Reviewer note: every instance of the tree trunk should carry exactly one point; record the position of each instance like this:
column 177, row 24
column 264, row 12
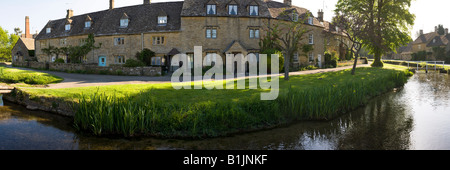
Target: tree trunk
column 286, row 66
column 377, row 59
column 356, row 61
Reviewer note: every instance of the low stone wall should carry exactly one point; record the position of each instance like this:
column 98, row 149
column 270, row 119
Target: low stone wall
column 48, row 104
column 92, row 68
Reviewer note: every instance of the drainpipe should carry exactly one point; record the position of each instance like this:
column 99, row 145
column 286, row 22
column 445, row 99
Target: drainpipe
column 142, row 41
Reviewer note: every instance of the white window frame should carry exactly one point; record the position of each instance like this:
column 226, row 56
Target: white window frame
column 311, row 57
column 156, row 61
column 311, row 39
column 310, row 20
column 211, row 33
column 254, row 9
column 159, row 40
column 190, row 58
column 231, row 7
column 63, row 41
column 162, row 20
column 124, row 22
column 254, row 33
column 119, row 59
column 119, row 41
column 211, row 7
column 48, row 30
column 67, row 27
column 294, row 17
column 296, row 57
column 87, row 24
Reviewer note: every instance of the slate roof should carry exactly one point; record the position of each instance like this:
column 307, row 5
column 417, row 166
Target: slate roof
column 28, row 42
column 425, row 38
column 142, row 18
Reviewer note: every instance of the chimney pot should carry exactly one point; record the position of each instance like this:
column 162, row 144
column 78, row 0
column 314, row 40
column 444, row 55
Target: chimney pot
column 288, row 2
column 320, row 15
column 69, row 14
column 446, row 31
column 421, row 32
column 147, row 1
column 111, row 4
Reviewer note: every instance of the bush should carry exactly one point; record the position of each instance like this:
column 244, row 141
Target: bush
column 145, row 56
column 134, row 63
column 59, row 60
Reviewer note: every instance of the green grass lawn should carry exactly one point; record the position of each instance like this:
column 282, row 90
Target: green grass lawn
column 11, row 75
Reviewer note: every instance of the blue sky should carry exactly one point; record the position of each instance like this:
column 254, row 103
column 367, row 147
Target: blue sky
column 429, row 13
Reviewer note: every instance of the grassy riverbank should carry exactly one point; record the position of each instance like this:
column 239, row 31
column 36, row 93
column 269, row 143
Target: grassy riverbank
column 11, row 75
column 159, row 110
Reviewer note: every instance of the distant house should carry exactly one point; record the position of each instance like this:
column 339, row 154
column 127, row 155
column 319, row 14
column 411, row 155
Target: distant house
column 426, row 42
column 24, row 48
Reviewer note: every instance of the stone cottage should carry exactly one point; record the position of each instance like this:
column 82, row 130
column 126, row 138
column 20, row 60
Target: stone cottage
column 24, row 50
column 169, row 28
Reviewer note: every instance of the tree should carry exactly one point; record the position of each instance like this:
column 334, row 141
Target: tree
column 353, row 22
column 287, row 36
column 387, row 22
column 145, row 56
column 17, row 31
column 441, row 29
column 7, row 43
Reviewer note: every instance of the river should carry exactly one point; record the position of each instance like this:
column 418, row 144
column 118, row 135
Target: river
column 416, row 117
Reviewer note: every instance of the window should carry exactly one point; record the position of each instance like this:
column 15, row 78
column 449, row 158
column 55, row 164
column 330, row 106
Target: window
column 124, row 23
column 211, row 57
column 87, row 24
column 156, row 61
column 296, row 57
column 190, row 60
column 85, row 59
column 43, row 43
column 295, row 17
column 254, row 10
column 211, row 9
column 83, row 41
column 311, row 57
column 310, row 20
column 53, row 59
column 254, row 33
column 162, row 20
column 211, row 33
column 158, row 40
column 119, row 41
column 311, row 39
column 67, row 27
column 420, row 47
column 119, row 60
column 48, row 30
column 63, row 41
column 232, row 9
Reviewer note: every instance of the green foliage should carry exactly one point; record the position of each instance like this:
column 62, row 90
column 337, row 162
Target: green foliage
column 269, row 53
column 145, row 56
column 134, row 63
column 330, row 60
column 7, row 43
column 441, row 29
column 419, row 56
column 75, row 53
column 9, row 75
column 318, row 97
column 59, row 60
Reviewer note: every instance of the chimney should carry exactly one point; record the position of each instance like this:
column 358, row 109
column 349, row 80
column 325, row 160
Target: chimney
column 320, row 15
column 288, row 2
column 436, row 29
column 69, row 14
column 27, row 27
column 446, row 31
column 421, row 32
column 111, row 4
column 147, row 1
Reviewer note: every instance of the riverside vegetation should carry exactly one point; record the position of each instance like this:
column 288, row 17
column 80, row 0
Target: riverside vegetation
column 159, row 110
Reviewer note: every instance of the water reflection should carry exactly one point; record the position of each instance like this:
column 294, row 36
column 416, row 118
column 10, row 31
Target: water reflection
column 414, row 117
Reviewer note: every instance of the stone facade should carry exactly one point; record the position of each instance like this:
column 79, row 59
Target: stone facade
column 185, row 28
column 23, row 50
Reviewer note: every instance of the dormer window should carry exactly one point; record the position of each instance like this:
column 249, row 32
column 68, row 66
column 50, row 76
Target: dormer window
column 87, row 24
column 310, row 20
column 254, row 10
column 124, row 20
column 124, row 23
column 232, row 9
column 48, row 30
column 294, row 17
column 67, row 27
column 211, row 9
column 162, row 20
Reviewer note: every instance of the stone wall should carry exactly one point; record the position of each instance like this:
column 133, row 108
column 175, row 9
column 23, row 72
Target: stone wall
column 93, row 69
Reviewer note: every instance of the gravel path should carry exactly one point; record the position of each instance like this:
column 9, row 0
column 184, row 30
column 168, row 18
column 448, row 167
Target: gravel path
column 85, row 80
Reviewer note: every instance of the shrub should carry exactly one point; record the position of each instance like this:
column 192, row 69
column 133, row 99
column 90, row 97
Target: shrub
column 145, row 56
column 134, row 63
column 59, row 60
